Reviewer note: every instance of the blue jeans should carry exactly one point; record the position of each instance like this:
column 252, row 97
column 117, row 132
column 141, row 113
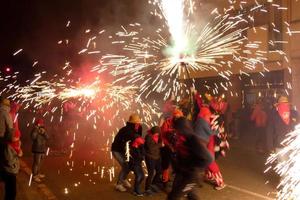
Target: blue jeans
column 139, row 177
column 124, row 166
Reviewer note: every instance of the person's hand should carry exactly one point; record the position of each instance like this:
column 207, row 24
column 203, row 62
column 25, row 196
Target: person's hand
column 42, row 130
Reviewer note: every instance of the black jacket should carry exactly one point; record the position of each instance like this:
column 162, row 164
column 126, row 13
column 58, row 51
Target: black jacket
column 137, row 155
column 277, row 129
column 125, row 134
column 152, row 149
column 191, row 153
column 39, row 139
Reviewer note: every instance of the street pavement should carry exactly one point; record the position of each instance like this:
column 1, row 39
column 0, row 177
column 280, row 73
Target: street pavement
column 87, row 174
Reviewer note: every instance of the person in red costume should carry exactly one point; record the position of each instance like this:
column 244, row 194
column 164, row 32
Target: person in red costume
column 16, row 142
column 167, row 132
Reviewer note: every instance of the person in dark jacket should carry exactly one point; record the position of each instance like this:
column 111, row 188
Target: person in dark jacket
column 39, row 139
column 281, row 121
column 125, row 136
column 192, row 157
column 137, row 155
column 9, row 161
column 153, row 143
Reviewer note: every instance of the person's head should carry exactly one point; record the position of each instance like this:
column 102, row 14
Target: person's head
column 5, row 102
column 205, row 113
column 134, row 119
column 177, row 113
column 155, row 130
column 183, row 126
column 39, row 122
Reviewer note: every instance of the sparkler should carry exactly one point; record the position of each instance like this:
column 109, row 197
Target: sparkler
column 289, row 168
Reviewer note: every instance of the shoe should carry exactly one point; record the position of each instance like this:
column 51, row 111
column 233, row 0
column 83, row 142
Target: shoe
column 120, row 188
column 37, row 179
column 126, row 184
column 138, row 194
column 41, row 175
column 220, row 187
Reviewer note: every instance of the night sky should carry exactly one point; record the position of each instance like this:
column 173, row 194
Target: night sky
column 37, row 25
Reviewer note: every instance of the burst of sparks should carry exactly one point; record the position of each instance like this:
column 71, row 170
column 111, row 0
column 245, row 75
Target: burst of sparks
column 289, row 169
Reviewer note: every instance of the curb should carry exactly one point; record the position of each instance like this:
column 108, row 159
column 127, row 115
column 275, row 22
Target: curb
column 43, row 189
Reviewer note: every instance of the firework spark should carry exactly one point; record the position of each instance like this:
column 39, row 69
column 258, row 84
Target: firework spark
column 288, row 169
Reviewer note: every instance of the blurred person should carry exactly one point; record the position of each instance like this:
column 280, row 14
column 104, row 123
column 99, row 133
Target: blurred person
column 16, row 141
column 39, row 139
column 208, row 134
column 192, row 157
column 9, row 161
column 137, row 155
column 153, row 144
column 125, row 135
column 281, row 121
column 259, row 116
column 167, row 132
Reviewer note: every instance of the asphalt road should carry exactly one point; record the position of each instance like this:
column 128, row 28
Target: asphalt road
column 88, row 175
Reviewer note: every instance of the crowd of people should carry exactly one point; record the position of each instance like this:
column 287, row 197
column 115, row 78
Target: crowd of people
column 183, row 149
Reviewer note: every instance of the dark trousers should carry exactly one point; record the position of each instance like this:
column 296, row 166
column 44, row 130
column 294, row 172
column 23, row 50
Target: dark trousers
column 36, row 165
column 184, row 184
column 139, row 177
column 10, row 185
column 154, row 172
column 121, row 159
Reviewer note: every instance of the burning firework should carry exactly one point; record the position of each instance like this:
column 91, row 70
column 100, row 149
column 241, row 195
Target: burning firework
column 289, row 168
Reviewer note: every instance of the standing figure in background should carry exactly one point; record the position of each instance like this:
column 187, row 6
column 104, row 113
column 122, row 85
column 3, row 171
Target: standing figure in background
column 9, row 160
column 125, row 135
column 259, row 116
column 153, row 144
column 280, row 123
column 39, row 139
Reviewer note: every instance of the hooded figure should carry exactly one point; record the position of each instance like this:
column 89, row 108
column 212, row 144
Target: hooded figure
column 125, row 136
column 191, row 157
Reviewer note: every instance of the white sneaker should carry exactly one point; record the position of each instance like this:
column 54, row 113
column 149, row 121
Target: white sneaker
column 126, row 184
column 120, row 188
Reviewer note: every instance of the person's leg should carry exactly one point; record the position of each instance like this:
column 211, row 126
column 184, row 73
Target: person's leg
column 35, row 164
column 139, row 177
column 165, row 164
column 150, row 163
column 157, row 177
column 10, row 184
column 124, row 166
